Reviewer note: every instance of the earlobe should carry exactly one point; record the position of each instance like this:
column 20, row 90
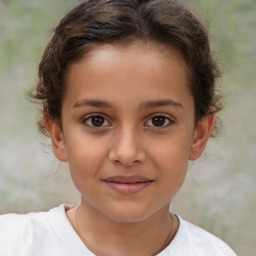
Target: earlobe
column 57, row 138
column 202, row 133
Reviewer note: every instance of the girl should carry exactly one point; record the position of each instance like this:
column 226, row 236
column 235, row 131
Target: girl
column 127, row 94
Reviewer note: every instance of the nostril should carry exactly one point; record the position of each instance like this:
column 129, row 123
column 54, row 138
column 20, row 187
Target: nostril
column 126, row 148
column 126, row 163
column 126, row 158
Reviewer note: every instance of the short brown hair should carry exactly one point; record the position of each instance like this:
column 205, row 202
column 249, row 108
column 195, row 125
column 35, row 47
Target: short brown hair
column 94, row 22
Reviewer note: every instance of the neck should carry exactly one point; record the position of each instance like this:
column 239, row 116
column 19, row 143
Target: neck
column 145, row 237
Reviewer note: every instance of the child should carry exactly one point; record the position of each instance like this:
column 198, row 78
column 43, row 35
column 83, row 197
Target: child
column 127, row 90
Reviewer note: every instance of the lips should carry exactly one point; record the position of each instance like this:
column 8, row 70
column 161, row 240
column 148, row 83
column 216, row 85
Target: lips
column 128, row 184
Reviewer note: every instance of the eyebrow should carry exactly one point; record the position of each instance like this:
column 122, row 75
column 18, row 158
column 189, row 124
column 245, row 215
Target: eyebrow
column 160, row 103
column 144, row 105
column 93, row 103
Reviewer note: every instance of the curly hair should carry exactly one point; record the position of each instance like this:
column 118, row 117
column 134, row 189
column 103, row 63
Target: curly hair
column 95, row 22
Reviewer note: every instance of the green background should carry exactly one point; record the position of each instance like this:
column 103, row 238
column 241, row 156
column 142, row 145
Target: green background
column 220, row 190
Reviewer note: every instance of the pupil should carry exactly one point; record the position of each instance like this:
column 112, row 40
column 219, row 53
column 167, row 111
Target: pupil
column 158, row 120
column 97, row 120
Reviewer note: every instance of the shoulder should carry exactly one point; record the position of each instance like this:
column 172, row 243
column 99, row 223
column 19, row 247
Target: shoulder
column 193, row 240
column 24, row 231
column 31, row 222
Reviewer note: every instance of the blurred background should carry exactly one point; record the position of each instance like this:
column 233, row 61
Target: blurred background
column 219, row 193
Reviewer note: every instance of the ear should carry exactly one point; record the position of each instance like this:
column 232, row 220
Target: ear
column 57, row 138
column 202, row 133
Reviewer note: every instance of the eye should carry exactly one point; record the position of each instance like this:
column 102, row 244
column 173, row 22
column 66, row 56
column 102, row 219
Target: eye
column 159, row 121
column 96, row 121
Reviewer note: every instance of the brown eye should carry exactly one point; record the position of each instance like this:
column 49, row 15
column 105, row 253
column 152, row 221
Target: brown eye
column 96, row 121
column 160, row 121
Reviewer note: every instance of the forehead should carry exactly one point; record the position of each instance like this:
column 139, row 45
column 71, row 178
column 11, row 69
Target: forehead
column 146, row 54
column 150, row 67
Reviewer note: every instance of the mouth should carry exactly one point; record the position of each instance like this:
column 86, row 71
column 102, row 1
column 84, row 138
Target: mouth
column 127, row 184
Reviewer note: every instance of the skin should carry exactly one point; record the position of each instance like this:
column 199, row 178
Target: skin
column 134, row 84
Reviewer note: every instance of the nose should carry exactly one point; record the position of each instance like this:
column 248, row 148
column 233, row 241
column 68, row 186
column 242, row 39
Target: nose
column 127, row 148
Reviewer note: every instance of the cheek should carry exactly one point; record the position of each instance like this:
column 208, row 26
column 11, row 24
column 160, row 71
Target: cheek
column 172, row 168
column 170, row 156
column 172, row 149
column 171, row 162
column 86, row 155
column 85, row 162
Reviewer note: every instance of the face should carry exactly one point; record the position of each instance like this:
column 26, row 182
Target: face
column 128, row 129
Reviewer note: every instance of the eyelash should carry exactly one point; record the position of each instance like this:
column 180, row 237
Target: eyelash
column 98, row 115
column 167, row 119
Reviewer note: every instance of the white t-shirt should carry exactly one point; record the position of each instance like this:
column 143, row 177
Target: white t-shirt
column 51, row 234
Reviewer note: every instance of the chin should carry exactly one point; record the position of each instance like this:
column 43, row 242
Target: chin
column 127, row 215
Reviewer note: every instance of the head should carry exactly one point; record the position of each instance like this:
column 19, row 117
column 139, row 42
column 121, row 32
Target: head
column 128, row 53
column 93, row 23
